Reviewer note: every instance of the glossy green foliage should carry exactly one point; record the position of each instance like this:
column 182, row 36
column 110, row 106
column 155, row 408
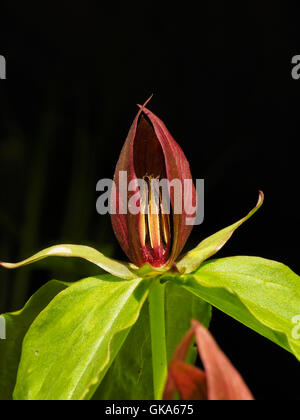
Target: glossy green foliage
column 211, row 245
column 17, row 325
column 262, row 294
column 131, row 376
column 96, row 338
column 72, row 343
column 117, row 268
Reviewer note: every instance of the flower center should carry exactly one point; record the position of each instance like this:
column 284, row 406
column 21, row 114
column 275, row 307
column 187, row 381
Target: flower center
column 155, row 230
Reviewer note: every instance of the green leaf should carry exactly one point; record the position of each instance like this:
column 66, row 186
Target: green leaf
column 114, row 267
column 262, row 294
column 17, row 324
column 181, row 307
column 211, row 245
column 131, row 377
column 147, row 270
column 72, row 343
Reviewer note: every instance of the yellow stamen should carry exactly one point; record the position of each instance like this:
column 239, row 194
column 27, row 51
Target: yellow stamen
column 143, row 223
column 165, row 223
column 153, row 217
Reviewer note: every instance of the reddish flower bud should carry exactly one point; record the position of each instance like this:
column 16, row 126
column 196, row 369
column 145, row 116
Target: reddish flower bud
column 220, row 381
column 153, row 234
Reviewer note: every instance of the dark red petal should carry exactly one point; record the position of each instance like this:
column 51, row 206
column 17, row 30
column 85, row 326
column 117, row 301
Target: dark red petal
column 150, row 149
column 189, row 381
column 180, row 354
column 148, row 153
column 183, row 347
column 121, row 223
column 177, row 167
column 223, row 381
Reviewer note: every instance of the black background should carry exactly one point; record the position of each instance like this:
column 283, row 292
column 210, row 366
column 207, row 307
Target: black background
column 222, row 83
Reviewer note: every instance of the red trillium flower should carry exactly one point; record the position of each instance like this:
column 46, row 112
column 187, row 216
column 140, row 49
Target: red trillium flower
column 221, row 381
column 154, row 234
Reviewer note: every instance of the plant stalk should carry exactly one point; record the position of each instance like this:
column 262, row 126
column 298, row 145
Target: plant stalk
column 158, row 338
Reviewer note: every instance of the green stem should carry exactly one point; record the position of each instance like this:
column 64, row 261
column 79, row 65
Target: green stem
column 158, row 338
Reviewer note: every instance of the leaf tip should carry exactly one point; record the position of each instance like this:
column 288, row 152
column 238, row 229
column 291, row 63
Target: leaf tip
column 6, row 265
column 261, row 198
